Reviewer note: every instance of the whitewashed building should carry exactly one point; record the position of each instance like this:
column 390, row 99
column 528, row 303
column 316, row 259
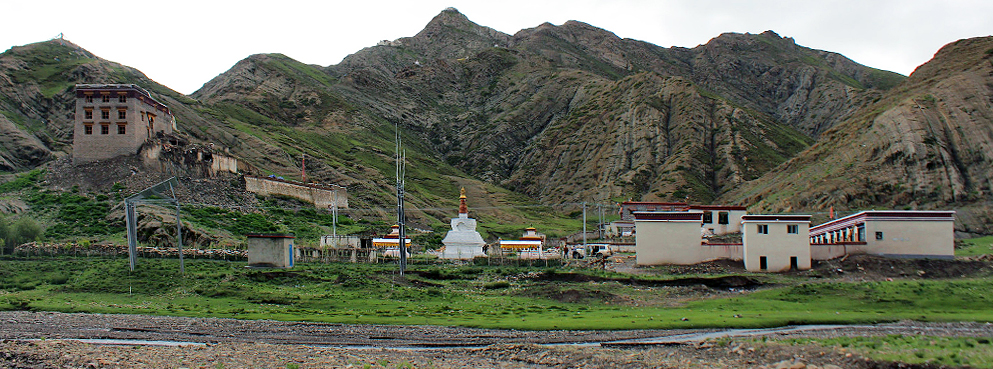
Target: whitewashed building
column 775, row 243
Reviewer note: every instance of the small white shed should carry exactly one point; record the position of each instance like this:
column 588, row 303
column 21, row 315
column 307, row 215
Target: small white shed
column 270, row 250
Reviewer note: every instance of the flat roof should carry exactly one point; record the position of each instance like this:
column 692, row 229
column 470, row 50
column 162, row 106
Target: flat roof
column 775, row 218
column 270, row 235
column 883, row 215
column 718, row 207
column 81, row 88
column 654, row 203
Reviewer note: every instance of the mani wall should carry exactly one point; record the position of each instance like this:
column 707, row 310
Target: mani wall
column 322, row 196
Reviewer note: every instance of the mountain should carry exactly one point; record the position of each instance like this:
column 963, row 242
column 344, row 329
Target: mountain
column 926, row 144
column 553, row 115
column 517, row 110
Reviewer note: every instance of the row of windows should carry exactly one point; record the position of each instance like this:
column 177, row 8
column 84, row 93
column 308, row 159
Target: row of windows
column 105, row 129
column 105, row 114
column 106, row 98
column 790, row 229
column 722, row 217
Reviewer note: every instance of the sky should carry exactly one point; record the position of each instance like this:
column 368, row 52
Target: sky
column 182, row 44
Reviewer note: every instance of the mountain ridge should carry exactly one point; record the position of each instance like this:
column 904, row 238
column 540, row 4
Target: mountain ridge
column 557, row 114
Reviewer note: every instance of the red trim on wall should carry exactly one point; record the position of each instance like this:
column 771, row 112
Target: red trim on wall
column 680, row 216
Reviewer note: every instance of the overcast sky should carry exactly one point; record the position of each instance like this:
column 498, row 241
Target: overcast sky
column 183, row 44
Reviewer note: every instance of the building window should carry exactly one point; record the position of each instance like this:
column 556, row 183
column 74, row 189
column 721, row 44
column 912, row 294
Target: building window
column 104, row 129
column 722, row 218
column 105, row 114
column 88, row 114
column 122, row 114
column 120, row 129
column 142, row 116
column 792, row 229
column 708, row 217
column 763, row 228
column 88, row 129
column 879, row 236
column 89, row 98
column 122, row 98
column 105, row 98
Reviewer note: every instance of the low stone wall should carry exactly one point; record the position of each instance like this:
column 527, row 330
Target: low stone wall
column 323, row 197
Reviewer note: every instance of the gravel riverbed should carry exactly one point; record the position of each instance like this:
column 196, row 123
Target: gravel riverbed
column 52, row 340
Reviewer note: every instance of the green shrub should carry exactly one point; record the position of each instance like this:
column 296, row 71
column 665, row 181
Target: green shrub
column 496, row 285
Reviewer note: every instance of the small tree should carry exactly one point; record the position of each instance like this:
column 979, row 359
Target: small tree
column 5, row 239
column 25, row 230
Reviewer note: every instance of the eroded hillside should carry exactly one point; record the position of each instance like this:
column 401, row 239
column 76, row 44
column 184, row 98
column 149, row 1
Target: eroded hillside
column 927, row 144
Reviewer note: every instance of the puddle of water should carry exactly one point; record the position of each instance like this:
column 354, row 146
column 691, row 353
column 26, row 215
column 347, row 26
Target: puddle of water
column 673, row 339
column 703, row 336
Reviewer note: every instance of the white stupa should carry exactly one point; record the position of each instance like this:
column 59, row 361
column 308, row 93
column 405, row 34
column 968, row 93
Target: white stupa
column 463, row 242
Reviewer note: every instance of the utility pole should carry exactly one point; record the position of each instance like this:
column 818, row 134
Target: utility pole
column 303, row 168
column 401, row 218
column 599, row 225
column 584, row 227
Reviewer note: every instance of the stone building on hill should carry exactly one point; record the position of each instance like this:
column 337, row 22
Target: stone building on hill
column 116, row 119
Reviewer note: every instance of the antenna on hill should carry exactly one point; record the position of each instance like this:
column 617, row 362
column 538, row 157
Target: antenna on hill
column 61, row 38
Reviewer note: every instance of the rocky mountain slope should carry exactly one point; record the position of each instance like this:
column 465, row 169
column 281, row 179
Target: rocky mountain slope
column 518, row 110
column 928, row 143
column 559, row 114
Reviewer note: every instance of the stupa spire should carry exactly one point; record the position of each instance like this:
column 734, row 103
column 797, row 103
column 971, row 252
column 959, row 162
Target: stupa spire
column 463, row 208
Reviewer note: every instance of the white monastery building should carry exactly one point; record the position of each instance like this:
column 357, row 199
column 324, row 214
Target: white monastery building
column 773, row 243
column 893, row 233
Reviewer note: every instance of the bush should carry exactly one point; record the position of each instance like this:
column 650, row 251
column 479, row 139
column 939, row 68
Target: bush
column 496, row 285
column 23, row 231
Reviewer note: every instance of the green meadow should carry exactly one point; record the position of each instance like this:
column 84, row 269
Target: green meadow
column 972, row 352
column 473, row 296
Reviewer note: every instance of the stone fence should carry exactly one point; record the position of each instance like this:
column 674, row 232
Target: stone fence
column 322, row 196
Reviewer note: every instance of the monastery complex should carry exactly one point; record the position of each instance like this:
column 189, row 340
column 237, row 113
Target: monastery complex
column 681, row 234
column 123, row 119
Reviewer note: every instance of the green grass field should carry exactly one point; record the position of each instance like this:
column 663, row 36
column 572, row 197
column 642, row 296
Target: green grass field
column 976, row 246
column 477, row 296
column 948, row 351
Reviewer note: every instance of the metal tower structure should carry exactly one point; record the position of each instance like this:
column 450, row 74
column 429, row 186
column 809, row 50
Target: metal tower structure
column 154, row 195
column 401, row 157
